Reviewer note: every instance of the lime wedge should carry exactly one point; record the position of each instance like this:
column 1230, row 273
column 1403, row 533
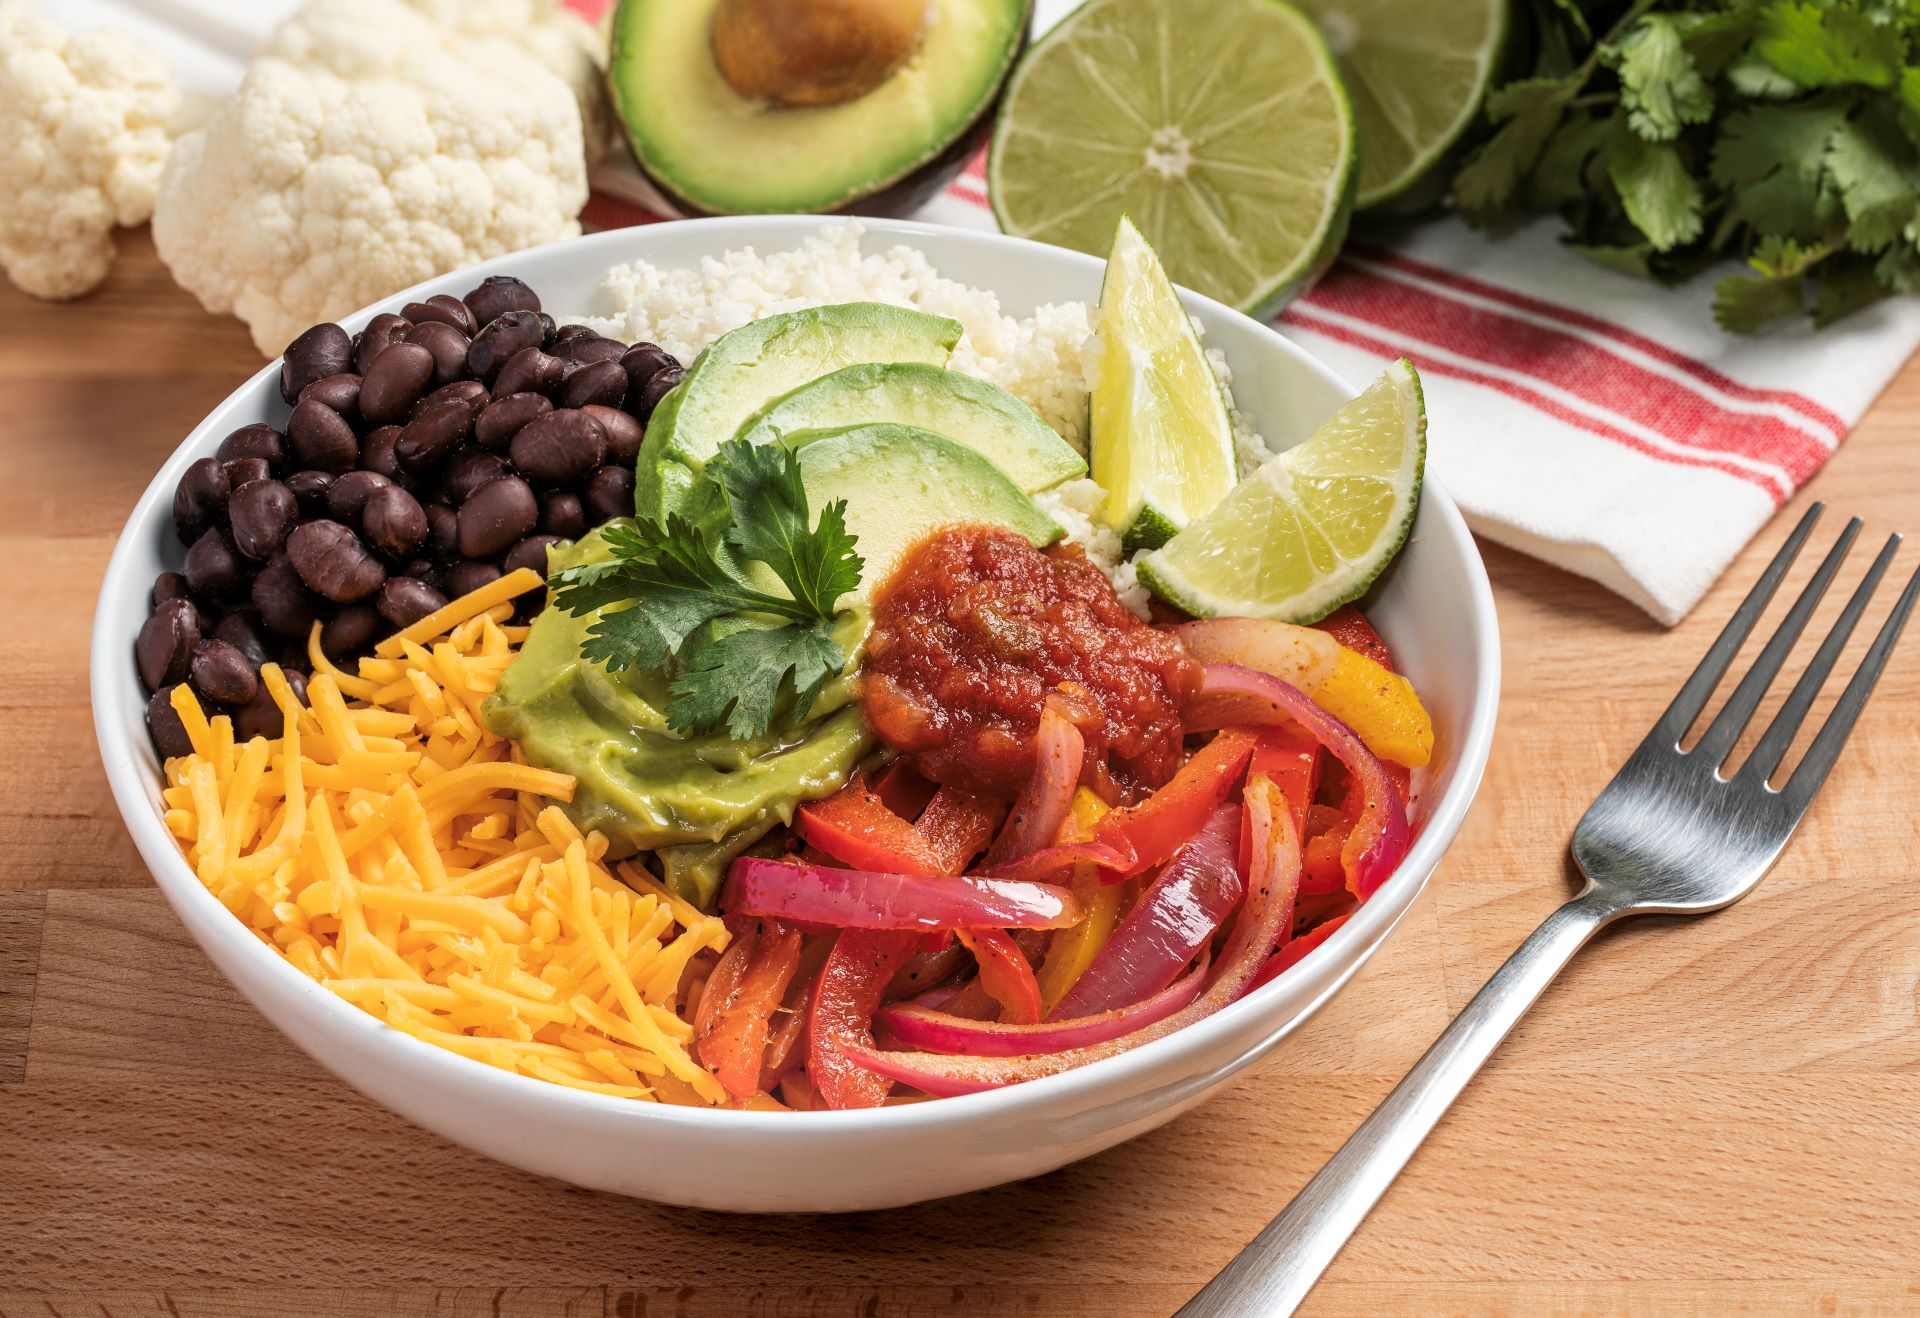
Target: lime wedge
column 1222, row 128
column 1313, row 527
column 1161, row 441
column 1416, row 72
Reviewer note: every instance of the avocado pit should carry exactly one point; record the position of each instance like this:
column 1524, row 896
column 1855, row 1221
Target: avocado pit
column 810, row 53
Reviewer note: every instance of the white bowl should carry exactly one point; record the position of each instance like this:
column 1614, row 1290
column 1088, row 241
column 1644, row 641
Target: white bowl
column 1434, row 607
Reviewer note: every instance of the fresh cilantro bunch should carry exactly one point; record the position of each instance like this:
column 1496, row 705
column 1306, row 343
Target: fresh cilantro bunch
column 1673, row 135
column 738, row 654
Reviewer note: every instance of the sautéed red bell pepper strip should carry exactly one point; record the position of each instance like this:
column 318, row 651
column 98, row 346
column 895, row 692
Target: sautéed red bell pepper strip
column 856, row 828
column 1005, row 974
column 736, row 1010
column 840, row 1027
column 1350, row 628
column 1294, row 952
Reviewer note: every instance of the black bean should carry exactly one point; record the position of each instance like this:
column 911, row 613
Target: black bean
column 559, row 448
column 340, row 392
column 529, row 371
column 169, row 586
column 214, row 571
column 222, row 674
column 322, row 351
column 394, row 522
column 567, row 333
column 656, row 390
column 349, row 495
column 397, row 377
column 561, row 514
column 333, row 561
column 599, row 384
column 284, row 603
column 242, row 470
column 448, row 346
column 445, row 310
column 404, row 601
column 296, row 681
column 471, row 392
column 383, row 330
column 432, row 437
column 259, row 717
column 588, row 348
column 470, row 469
column 310, row 491
column 500, row 339
column 377, row 455
column 624, row 434
column 496, row 515
column 321, row 438
column 258, row 440
column 531, row 552
column 499, row 294
column 261, row 513
column 547, row 330
column 350, row 631
column 169, row 734
column 200, row 499
column 165, row 643
column 424, row 569
column 505, row 416
column 244, row 631
column 443, row 530
column 466, row 575
column 608, row 494
column 642, row 362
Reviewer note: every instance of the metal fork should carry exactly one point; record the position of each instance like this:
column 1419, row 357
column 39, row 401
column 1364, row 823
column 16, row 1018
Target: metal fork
column 1672, row 834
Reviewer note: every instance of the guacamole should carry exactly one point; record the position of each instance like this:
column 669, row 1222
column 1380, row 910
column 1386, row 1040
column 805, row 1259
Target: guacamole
column 698, row 801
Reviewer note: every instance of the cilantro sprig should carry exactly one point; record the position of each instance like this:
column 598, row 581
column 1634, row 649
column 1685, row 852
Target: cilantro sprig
column 1673, row 134
column 680, row 594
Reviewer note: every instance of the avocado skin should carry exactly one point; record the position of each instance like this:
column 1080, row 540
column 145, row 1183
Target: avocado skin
column 896, row 198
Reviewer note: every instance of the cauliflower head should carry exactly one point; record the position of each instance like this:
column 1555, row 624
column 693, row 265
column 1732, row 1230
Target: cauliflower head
column 85, row 122
column 362, row 154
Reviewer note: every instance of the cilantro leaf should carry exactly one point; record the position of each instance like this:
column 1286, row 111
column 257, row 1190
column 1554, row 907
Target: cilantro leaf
column 1746, row 305
column 1528, row 112
column 1830, row 45
column 1847, row 283
column 1874, row 167
column 817, row 565
column 1771, row 159
column 652, row 630
column 1659, row 86
column 738, row 678
column 1661, row 198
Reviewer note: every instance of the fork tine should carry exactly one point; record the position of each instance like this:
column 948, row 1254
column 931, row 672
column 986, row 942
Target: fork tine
column 1780, row 733
column 1692, row 697
column 1720, row 736
column 1825, row 750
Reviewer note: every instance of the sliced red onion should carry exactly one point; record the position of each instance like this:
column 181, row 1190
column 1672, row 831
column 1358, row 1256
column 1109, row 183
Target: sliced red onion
column 912, row 1025
column 1178, row 915
column 1232, row 696
column 1043, row 804
column 1264, row 917
column 864, row 899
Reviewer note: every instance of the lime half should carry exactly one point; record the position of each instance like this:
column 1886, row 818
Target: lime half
column 1221, row 127
column 1162, row 443
column 1313, row 527
column 1417, row 71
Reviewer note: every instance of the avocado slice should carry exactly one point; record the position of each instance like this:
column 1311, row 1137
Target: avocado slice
column 900, row 483
column 741, row 372
column 721, row 153
column 973, row 412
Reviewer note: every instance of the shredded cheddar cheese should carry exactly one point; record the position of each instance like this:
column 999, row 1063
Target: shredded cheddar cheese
column 397, row 852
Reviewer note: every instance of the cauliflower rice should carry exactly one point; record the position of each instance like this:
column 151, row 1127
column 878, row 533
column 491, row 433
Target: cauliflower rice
column 1040, row 359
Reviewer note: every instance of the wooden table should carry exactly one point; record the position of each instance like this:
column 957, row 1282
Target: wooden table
column 1702, row 1117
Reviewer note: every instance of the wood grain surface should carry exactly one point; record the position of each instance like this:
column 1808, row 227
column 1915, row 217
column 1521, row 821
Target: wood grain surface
column 1708, row 1117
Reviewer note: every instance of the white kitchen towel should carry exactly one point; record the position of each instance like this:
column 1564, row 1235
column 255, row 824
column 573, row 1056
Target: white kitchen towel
column 1596, row 421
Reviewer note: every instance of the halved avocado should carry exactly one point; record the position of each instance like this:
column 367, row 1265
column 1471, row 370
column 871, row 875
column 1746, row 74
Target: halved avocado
column 722, row 153
column 980, row 415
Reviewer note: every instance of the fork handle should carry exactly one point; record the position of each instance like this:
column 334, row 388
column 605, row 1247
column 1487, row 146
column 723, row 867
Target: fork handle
column 1273, row 1274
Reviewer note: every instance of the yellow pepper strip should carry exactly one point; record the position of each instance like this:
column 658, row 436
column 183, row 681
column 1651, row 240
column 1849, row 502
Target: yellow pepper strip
column 1380, row 706
column 1074, row 948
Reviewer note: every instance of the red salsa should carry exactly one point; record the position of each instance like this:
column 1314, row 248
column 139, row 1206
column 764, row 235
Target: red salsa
column 973, row 631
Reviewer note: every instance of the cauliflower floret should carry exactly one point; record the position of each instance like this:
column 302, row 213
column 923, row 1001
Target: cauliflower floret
column 360, row 155
column 84, row 126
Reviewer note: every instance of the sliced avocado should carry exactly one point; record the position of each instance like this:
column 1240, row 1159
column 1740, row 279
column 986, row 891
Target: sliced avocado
column 900, row 483
column 722, row 153
column 742, row 372
column 980, row 415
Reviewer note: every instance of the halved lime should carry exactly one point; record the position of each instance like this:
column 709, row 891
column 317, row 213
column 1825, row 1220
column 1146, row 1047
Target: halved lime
column 1221, row 127
column 1313, row 527
column 1416, row 71
column 1161, row 441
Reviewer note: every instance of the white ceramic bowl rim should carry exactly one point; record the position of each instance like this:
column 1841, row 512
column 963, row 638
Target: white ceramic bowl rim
column 127, row 777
